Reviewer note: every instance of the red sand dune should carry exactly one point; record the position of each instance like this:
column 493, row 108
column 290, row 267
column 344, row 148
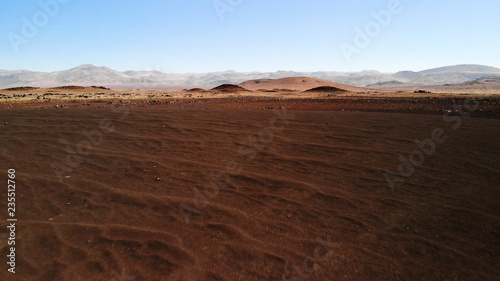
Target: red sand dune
column 197, row 90
column 229, row 88
column 326, row 89
column 296, row 83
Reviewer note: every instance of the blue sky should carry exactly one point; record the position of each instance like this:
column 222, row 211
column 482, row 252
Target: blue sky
column 248, row 35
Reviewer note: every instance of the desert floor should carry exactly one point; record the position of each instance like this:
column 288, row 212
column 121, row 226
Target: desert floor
column 228, row 191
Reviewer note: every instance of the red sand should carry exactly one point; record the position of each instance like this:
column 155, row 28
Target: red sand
column 320, row 177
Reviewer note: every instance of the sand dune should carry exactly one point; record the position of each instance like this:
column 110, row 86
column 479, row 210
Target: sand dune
column 312, row 198
column 295, row 83
column 229, row 88
column 326, row 89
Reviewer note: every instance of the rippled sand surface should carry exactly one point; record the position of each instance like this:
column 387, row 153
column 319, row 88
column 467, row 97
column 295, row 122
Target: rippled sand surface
column 249, row 195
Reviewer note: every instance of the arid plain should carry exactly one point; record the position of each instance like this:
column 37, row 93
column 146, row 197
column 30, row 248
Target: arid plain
column 266, row 182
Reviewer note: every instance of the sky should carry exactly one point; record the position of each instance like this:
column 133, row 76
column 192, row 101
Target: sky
column 180, row 36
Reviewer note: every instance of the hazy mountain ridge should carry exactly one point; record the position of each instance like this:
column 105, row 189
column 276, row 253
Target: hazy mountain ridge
column 90, row 75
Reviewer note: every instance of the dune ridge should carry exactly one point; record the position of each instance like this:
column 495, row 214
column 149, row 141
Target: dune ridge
column 296, row 83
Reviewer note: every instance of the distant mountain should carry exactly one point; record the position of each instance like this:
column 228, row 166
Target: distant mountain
column 87, row 75
column 463, row 68
column 485, row 83
column 407, row 76
column 90, row 73
column 385, row 84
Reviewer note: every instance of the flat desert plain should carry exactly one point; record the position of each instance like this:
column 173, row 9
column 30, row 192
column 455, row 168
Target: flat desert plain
column 341, row 188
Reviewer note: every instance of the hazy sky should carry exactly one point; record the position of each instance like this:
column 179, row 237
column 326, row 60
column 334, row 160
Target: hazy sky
column 248, row 35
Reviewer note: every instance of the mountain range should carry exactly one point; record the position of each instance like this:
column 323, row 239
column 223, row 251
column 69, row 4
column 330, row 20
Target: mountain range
column 89, row 74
